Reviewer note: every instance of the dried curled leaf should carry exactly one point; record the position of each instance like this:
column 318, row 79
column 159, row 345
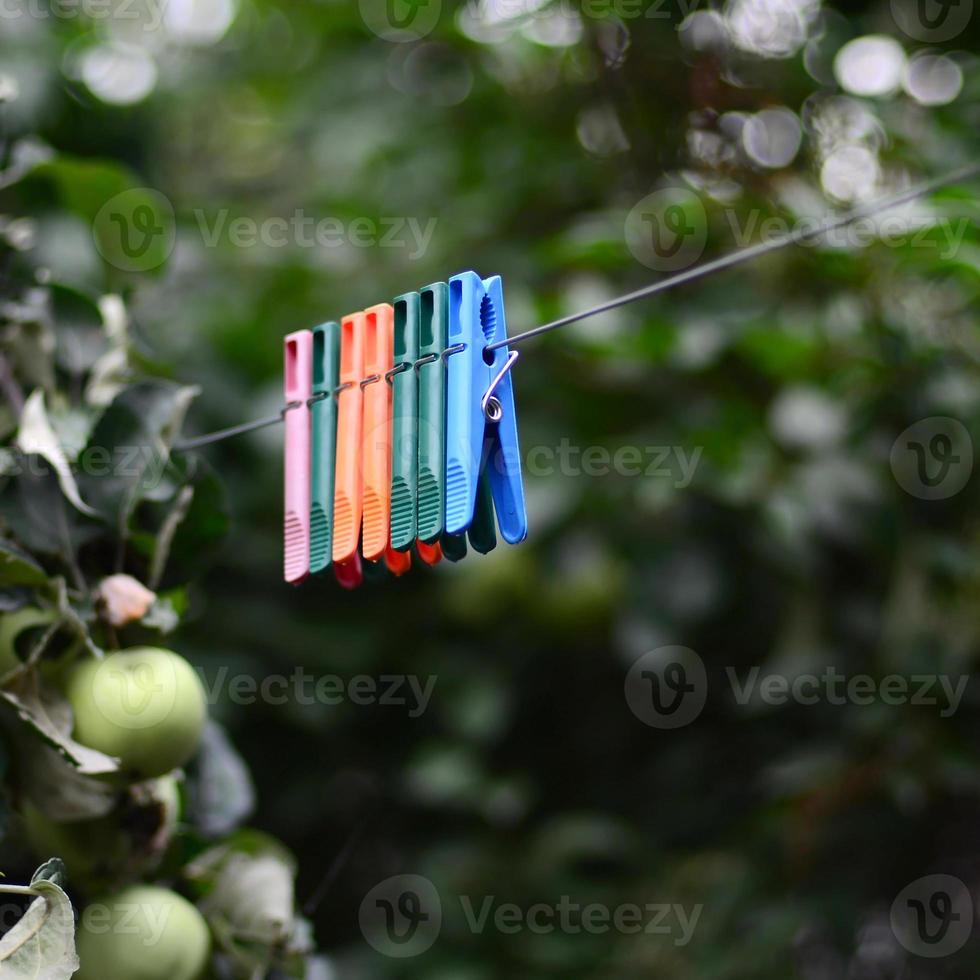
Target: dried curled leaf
column 41, row 946
column 37, row 437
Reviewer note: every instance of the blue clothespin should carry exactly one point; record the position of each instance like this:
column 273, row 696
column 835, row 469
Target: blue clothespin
column 481, row 425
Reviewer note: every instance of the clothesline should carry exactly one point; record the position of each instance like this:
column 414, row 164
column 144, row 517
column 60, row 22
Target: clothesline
column 748, row 254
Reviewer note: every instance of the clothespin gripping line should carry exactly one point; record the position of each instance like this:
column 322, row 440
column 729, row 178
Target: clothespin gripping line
column 701, row 271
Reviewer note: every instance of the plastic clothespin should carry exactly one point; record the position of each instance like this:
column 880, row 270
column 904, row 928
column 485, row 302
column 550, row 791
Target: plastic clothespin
column 397, row 562
column 348, row 484
column 405, row 421
column 297, row 388
column 453, row 546
column 349, row 574
column 431, row 554
column 482, row 533
column 431, row 370
column 376, row 437
column 326, row 377
column 481, row 439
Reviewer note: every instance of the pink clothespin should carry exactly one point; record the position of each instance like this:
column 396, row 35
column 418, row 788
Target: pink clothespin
column 298, row 389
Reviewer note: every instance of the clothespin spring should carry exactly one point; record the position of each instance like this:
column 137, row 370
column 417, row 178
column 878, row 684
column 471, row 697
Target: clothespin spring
column 490, row 404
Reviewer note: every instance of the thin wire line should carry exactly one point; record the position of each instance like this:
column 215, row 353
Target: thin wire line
column 802, row 234
column 234, row 430
column 730, row 261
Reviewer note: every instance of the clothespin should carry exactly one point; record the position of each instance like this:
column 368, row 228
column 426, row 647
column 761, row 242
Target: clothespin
column 297, row 388
column 431, row 371
column 431, row 554
column 349, row 574
column 348, row 497
column 405, row 418
column 405, row 437
column 397, row 562
column 376, row 437
column 481, row 432
column 326, row 375
column 482, row 533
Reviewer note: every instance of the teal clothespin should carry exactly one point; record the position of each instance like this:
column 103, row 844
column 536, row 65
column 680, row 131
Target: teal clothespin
column 431, row 369
column 326, row 369
column 405, row 417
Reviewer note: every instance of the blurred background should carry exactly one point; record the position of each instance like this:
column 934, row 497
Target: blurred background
column 729, row 468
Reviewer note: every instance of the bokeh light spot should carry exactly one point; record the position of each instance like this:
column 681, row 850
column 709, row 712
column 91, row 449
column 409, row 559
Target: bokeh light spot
column 772, row 137
column 120, row 74
column 870, row 66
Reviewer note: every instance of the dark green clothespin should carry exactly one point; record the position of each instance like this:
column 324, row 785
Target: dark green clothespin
column 405, row 431
column 483, row 530
column 431, row 370
column 326, row 367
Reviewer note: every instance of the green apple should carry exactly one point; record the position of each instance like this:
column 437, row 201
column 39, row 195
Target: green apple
column 142, row 933
column 145, row 706
column 13, row 626
column 103, row 850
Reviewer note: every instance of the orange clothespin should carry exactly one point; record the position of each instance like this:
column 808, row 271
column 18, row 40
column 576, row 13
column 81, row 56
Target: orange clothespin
column 376, row 440
column 348, row 484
